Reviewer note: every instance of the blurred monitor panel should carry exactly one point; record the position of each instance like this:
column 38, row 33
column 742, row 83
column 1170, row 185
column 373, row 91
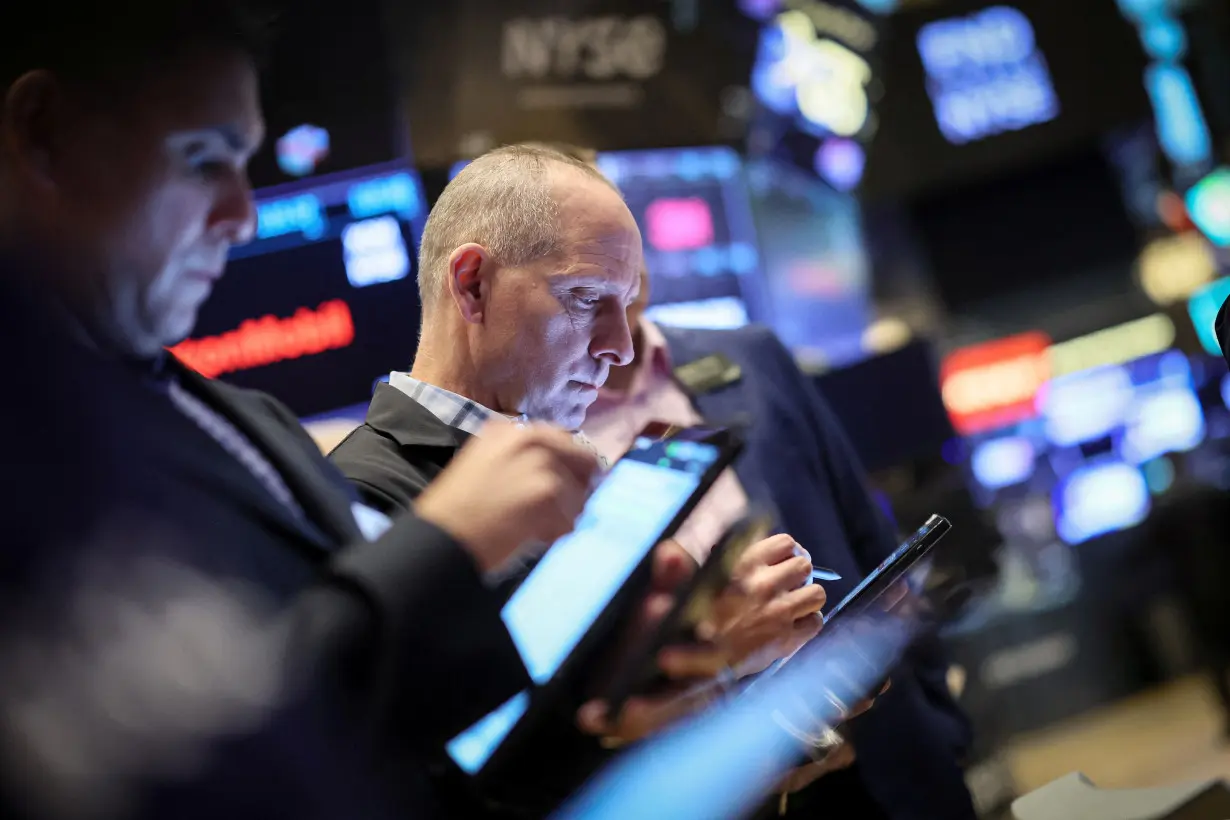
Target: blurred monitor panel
column 815, row 265
column 890, row 406
column 330, row 103
column 325, row 300
column 974, row 88
column 1062, row 223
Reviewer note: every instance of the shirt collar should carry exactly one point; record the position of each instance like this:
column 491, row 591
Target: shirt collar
column 450, row 408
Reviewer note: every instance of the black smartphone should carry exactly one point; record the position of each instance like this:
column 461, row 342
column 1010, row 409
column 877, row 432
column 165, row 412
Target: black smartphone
column 892, row 569
column 586, row 583
column 693, row 605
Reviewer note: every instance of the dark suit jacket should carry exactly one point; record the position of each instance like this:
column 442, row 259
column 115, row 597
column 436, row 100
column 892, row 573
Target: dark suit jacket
column 798, row 463
column 403, row 632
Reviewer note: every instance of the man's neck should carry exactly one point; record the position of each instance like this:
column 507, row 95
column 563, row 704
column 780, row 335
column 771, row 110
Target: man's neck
column 451, row 368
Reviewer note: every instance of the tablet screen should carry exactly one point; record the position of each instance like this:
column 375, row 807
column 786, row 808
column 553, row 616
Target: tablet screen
column 578, row 577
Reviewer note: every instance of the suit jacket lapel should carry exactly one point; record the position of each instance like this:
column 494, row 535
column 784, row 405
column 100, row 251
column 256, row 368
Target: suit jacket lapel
column 332, row 522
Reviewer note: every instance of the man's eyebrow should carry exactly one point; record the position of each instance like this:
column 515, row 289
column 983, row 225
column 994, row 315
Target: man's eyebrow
column 234, row 137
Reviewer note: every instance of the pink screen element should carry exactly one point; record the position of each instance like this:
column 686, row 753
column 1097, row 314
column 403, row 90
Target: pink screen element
column 679, row 224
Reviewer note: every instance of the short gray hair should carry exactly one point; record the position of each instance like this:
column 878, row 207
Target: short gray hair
column 502, row 201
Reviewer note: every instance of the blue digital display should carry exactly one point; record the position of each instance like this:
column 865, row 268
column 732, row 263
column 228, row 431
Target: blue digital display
column 362, row 208
column 1203, row 307
column 1208, row 203
column 985, row 75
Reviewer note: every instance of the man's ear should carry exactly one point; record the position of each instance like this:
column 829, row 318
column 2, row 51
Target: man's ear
column 33, row 108
column 469, row 272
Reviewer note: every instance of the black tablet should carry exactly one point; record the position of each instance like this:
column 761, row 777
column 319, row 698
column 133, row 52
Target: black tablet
column 586, row 582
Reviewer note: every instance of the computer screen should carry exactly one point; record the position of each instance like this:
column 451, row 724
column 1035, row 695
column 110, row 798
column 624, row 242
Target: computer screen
column 325, row 300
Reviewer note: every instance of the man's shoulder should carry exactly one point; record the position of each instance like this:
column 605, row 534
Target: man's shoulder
column 398, row 450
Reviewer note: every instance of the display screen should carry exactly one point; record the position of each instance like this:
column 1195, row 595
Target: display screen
column 975, row 87
column 815, row 266
column 561, row 599
column 578, row 577
column 325, row 299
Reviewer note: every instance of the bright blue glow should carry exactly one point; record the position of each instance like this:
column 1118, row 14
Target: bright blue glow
column 1003, row 462
column 708, row 261
column 1225, row 390
column 1181, row 129
column 297, row 214
column 985, row 75
column 743, row 258
column 1203, row 307
column 456, row 169
column 374, row 252
column 1099, row 499
column 576, row 579
column 1208, row 204
column 879, row 6
column 301, row 149
column 1164, row 38
column 471, row 749
column 1166, row 420
column 722, row 313
column 1142, row 9
column 1085, row 406
column 398, row 194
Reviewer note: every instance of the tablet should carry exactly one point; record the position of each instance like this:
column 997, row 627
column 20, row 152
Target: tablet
column 892, row 569
column 571, row 601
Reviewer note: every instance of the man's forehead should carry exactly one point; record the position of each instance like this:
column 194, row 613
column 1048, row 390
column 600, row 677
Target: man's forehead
column 209, row 92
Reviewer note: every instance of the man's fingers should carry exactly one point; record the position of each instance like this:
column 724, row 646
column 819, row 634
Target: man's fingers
column 770, row 551
column 640, row 716
column 768, row 581
column 672, row 565
column 803, row 601
column 684, row 662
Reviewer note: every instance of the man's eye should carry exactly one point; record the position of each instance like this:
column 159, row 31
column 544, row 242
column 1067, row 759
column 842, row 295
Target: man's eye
column 210, row 169
column 588, row 300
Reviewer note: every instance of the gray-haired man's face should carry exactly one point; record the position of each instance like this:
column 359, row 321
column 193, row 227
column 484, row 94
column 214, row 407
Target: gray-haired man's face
column 555, row 327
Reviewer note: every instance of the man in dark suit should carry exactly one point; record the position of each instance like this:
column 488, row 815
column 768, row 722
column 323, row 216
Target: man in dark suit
column 903, row 754
column 122, row 187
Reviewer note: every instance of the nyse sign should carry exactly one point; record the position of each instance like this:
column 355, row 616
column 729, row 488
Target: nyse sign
column 608, row 74
column 595, row 49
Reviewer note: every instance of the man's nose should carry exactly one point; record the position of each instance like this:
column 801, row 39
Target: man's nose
column 234, row 215
column 614, row 342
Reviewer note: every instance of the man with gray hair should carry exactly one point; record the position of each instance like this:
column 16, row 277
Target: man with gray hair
column 528, row 264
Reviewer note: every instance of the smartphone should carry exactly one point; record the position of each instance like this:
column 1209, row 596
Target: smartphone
column 571, row 601
column 892, row 569
column 693, row 605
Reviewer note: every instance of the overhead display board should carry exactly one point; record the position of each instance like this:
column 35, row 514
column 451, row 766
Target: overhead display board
column 610, row 74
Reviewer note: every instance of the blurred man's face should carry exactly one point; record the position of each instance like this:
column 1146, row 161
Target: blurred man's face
column 555, row 327
column 146, row 196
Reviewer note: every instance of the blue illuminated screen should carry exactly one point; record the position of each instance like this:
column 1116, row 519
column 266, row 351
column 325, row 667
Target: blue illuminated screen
column 985, row 74
column 562, row 598
column 325, row 298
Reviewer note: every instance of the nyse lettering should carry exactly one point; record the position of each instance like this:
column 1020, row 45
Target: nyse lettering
column 594, row 49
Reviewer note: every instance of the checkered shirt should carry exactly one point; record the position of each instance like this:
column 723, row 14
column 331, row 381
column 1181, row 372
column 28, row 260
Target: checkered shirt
column 464, row 414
